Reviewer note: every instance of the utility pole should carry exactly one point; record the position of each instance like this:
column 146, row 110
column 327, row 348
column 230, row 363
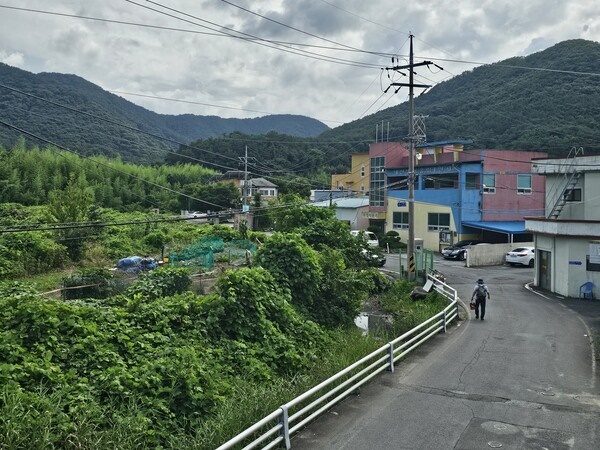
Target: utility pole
column 419, row 128
column 410, row 247
column 245, row 207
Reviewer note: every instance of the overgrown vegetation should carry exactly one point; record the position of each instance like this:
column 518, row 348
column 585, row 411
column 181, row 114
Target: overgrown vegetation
column 159, row 366
column 408, row 313
column 155, row 365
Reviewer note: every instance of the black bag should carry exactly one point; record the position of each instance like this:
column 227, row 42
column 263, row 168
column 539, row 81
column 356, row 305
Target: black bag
column 472, row 305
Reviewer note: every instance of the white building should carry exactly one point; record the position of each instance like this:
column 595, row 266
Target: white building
column 354, row 211
column 567, row 239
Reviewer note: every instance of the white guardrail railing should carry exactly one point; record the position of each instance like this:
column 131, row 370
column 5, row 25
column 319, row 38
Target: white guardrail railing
column 276, row 428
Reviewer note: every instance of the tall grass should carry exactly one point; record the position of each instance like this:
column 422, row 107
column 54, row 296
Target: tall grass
column 250, row 403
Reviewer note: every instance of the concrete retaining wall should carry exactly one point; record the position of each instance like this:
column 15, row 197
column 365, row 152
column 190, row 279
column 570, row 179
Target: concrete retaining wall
column 491, row 254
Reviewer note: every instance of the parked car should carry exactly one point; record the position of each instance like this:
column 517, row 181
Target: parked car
column 369, row 236
column 373, row 258
column 521, row 255
column 459, row 250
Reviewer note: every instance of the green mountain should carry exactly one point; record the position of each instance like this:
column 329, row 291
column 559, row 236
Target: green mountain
column 90, row 135
column 547, row 101
column 506, row 105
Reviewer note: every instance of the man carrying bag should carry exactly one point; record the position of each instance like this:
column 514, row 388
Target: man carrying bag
column 480, row 295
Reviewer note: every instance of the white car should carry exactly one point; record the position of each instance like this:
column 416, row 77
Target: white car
column 521, row 255
column 369, row 237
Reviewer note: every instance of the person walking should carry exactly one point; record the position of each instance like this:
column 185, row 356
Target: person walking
column 481, row 294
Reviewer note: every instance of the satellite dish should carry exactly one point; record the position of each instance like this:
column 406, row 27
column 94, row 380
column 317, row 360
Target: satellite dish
column 419, row 156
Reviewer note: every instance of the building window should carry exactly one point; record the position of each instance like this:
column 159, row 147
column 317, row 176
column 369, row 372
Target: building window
column 444, row 181
column 489, row 183
column 399, row 183
column 438, row 221
column 524, row 184
column 400, row 220
column 362, row 171
column 362, row 188
column 572, row 195
column 377, row 182
column 472, row 180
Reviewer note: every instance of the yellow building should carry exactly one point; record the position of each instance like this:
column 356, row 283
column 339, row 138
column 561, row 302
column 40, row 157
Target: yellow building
column 436, row 235
column 357, row 181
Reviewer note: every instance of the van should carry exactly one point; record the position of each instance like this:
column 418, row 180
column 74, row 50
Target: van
column 369, row 237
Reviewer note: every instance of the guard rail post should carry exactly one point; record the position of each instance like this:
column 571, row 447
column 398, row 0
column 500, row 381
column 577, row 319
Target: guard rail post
column 444, row 316
column 285, row 427
column 456, row 300
column 391, row 355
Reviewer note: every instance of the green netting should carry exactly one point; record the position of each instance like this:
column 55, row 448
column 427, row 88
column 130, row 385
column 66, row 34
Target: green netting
column 193, row 257
column 242, row 243
column 202, row 253
column 238, row 252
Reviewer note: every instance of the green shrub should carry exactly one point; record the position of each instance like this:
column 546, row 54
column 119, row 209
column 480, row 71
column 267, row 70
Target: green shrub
column 341, row 291
column 88, row 283
column 252, row 308
column 161, row 282
column 391, row 240
column 294, row 265
column 406, row 312
column 16, row 288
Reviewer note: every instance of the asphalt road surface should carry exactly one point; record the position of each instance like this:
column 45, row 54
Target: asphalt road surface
column 525, row 378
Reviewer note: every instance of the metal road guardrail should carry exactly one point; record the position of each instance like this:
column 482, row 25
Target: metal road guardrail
column 276, row 428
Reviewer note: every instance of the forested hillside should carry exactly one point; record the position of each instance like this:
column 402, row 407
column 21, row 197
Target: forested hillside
column 504, row 106
column 498, row 106
column 273, row 155
column 91, row 135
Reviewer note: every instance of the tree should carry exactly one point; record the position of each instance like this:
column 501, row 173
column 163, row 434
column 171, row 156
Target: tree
column 70, row 207
column 292, row 212
column 216, row 196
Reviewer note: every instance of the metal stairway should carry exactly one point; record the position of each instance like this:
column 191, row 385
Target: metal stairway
column 563, row 189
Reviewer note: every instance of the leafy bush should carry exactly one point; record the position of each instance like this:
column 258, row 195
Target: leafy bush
column 162, row 282
column 406, row 312
column 341, row 291
column 16, row 288
column 30, row 253
column 88, row 283
column 294, row 265
column 253, row 308
column 93, row 357
column 391, row 240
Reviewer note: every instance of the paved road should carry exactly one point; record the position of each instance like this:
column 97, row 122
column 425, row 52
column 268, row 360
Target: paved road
column 524, row 378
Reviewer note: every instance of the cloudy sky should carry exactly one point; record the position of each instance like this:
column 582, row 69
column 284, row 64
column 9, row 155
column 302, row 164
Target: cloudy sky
column 242, row 58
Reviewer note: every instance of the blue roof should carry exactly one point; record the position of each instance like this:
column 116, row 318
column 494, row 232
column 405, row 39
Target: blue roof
column 508, row 226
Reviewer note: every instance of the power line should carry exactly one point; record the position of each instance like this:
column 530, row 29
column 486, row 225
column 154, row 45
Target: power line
column 147, row 133
column 296, row 29
column 221, row 34
column 104, row 119
column 253, row 39
column 183, row 30
column 75, row 225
